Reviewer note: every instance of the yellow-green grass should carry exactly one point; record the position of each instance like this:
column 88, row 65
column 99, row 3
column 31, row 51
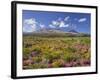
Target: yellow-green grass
column 56, row 52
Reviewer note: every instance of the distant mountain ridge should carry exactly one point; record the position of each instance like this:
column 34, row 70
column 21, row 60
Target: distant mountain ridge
column 57, row 33
column 73, row 31
column 63, row 31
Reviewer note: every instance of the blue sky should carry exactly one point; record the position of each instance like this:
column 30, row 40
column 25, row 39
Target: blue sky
column 35, row 20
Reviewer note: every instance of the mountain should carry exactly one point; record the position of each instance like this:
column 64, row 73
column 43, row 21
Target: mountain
column 57, row 29
column 73, row 31
column 57, row 33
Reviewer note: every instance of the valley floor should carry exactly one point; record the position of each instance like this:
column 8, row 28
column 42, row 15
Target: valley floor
column 55, row 52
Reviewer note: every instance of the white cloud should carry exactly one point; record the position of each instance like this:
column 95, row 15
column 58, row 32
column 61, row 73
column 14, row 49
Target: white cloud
column 55, row 23
column 33, row 26
column 62, row 24
column 30, row 25
column 66, row 18
column 42, row 25
column 67, row 25
column 30, row 21
column 51, row 26
column 82, row 19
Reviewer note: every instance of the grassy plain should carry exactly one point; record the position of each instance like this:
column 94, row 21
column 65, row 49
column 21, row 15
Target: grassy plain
column 55, row 52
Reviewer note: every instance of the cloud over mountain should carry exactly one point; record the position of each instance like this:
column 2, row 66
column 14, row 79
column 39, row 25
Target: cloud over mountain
column 30, row 25
column 60, row 23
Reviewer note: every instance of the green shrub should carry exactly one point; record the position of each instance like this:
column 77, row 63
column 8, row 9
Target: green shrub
column 37, row 59
column 37, row 49
column 86, row 55
column 58, row 63
column 70, row 50
column 56, row 55
column 26, row 52
column 47, row 56
column 68, row 57
column 38, row 65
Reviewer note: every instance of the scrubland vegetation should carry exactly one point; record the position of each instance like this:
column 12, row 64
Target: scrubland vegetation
column 55, row 52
